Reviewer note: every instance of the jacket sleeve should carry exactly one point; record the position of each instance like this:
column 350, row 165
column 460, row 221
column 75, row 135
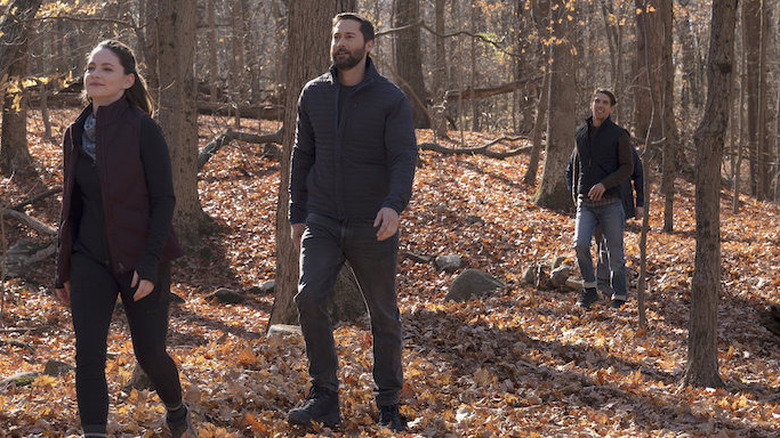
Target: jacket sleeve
column 162, row 200
column 638, row 178
column 301, row 163
column 401, row 150
column 625, row 163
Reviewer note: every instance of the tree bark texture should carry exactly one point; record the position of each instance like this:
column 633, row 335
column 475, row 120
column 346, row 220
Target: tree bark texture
column 702, row 365
column 552, row 192
column 14, row 153
column 178, row 113
column 654, row 96
column 13, row 32
column 308, row 49
column 439, row 73
column 408, row 60
column 751, row 37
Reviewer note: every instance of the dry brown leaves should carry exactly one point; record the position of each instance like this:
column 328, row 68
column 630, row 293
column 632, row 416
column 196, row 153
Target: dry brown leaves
column 519, row 363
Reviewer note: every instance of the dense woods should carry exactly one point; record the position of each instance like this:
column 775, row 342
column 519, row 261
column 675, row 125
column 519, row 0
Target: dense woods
column 497, row 89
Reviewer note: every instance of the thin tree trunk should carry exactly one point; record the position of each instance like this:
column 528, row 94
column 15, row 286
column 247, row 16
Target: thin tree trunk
column 702, row 365
column 213, row 63
column 237, row 84
column 540, row 124
column 751, row 36
column 440, row 73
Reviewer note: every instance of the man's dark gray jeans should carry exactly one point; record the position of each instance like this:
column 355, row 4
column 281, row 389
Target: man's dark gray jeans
column 326, row 244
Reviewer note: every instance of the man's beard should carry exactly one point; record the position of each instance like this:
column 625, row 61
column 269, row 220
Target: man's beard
column 350, row 61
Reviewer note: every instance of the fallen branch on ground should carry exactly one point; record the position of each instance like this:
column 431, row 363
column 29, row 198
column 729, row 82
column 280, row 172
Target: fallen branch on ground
column 33, row 200
column 225, row 138
column 30, row 221
column 481, row 150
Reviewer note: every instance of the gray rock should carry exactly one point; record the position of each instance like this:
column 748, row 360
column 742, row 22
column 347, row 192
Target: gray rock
column 558, row 262
column 139, row 380
column 267, row 288
column 471, row 283
column 226, row 296
column 449, row 263
column 559, row 275
column 529, row 275
column 56, row 368
column 473, row 219
column 284, row 329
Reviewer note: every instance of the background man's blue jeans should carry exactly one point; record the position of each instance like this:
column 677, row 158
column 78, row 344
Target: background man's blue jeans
column 611, row 218
column 325, row 245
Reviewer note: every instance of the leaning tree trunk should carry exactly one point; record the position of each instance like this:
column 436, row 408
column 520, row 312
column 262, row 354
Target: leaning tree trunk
column 702, row 366
column 178, row 114
column 561, row 121
column 308, row 48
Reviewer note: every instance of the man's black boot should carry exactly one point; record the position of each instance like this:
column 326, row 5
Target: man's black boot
column 390, row 418
column 588, row 296
column 321, row 406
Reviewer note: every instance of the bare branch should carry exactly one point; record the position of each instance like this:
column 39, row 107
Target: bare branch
column 481, row 150
column 422, row 25
column 29, row 221
column 225, row 138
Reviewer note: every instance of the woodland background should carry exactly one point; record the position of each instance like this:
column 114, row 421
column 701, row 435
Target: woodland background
column 497, row 88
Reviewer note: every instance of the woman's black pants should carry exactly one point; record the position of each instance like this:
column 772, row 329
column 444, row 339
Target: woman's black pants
column 94, row 289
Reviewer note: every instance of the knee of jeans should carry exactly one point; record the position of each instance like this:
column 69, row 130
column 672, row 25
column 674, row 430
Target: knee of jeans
column 308, row 302
column 582, row 249
column 150, row 358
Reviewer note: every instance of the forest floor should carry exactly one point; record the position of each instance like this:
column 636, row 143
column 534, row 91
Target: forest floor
column 519, row 362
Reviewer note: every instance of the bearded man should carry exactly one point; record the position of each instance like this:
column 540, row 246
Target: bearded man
column 352, row 172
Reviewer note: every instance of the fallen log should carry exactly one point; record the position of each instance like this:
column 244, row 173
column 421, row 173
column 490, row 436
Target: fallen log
column 258, row 112
column 225, row 138
column 30, row 221
column 19, row 206
column 481, row 150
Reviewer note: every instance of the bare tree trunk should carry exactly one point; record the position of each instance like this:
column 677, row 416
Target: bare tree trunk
column 440, row 73
column 475, row 116
column 540, row 124
column 13, row 31
column 178, row 115
column 751, row 36
column 702, row 366
column 14, row 153
column 654, row 99
column 764, row 157
column 237, row 83
column 151, row 45
column 308, row 45
column 213, row 62
column 408, row 62
column 552, row 192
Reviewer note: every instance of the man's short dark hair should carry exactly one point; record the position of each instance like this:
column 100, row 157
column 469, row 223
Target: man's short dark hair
column 366, row 27
column 612, row 99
